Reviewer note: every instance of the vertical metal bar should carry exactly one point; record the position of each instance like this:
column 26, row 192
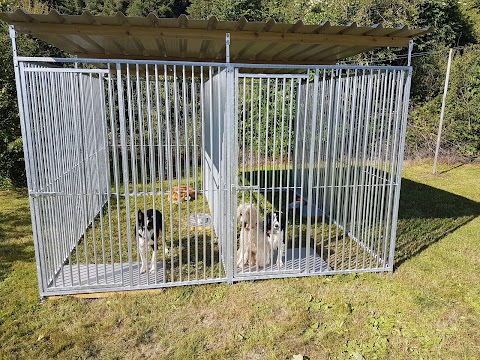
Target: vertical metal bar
column 404, row 114
column 80, row 141
column 375, row 242
column 231, row 161
column 295, row 169
column 302, row 165
column 43, row 176
column 283, row 166
column 65, row 154
column 187, row 161
column 333, row 161
column 243, row 167
column 161, row 169
column 195, row 161
column 220, row 133
column 259, row 136
column 347, row 200
column 392, row 173
column 45, row 146
column 371, row 178
column 126, row 181
column 273, row 169
column 75, row 165
column 341, row 187
column 203, row 168
column 178, row 166
column 364, row 188
column 319, row 178
column 251, row 160
column 153, row 181
column 54, row 181
column 356, row 179
column 380, row 165
column 133, row 164
column 313, row 129
column 385, row 165
column 143, row 158
column 168, row 136
column 289, row 150
column 265, row 166
column 114, row 137
column 94, row 114
column 107, row 169
column 212, row 180
column 328, row 165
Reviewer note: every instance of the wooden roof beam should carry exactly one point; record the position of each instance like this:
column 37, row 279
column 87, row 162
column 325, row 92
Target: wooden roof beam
column 220, row 61
column 199, row 34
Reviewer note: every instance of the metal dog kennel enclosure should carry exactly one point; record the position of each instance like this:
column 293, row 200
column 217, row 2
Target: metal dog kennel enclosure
column 106, row 136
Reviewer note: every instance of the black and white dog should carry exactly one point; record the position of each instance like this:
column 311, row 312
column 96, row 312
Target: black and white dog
column 275, row 229
column 148, row 230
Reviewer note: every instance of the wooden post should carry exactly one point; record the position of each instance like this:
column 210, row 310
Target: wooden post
column 442, row 112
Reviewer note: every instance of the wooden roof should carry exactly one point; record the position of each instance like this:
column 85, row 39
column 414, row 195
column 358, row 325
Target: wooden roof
column 120, row 37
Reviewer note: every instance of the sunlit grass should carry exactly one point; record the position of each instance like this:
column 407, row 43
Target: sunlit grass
column 428, row 308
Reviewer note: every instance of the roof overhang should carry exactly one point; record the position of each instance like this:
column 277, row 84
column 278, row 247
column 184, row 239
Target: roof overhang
column 153, row 38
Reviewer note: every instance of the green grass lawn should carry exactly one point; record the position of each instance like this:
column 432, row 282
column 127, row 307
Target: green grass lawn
column 429, row 308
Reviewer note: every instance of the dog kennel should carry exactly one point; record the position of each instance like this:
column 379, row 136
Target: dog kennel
column 235, row 112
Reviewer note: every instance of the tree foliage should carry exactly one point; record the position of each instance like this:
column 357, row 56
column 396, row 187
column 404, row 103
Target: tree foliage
column 161, row 8
column 461, row 129
column 456, row 23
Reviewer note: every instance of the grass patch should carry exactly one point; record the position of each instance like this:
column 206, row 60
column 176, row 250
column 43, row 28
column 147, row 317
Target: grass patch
column 427, row 309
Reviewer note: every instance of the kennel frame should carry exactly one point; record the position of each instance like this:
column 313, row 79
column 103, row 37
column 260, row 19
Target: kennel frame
column 228, row 169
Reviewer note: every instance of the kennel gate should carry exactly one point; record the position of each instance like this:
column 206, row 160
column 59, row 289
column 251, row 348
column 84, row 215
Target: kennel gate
column 105, row 138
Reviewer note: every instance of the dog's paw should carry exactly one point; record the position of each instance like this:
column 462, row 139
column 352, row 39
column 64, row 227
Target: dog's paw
column 142, row 270
column 152, row 270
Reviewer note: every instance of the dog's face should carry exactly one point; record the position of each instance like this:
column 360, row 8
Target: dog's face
column 247, row 215
column 275, row 221
column 146, row 224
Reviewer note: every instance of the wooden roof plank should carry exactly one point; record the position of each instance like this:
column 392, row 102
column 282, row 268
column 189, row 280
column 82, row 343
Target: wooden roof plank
column 204, row 40
column 194, row 34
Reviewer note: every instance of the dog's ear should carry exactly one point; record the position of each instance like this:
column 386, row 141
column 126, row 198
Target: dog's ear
column 253, row 216
column 247, row 213
column 140, row 215
column 239, row 212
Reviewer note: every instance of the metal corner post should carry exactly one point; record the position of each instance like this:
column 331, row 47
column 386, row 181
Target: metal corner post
column 311, row 166
column 230, row 122
column 23, row 114
column 398, row 175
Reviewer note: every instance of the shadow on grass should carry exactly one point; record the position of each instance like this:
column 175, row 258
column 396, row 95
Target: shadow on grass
column 13, row 226
column 451, row 168
column 426, row 214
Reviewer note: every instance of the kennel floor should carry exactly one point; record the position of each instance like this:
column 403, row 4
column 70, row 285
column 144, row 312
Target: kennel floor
column 125, row 275
column 297, row 260
column 119, row 274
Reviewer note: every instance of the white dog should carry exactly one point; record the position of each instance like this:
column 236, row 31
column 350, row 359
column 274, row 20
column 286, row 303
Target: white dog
column 254, row 248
